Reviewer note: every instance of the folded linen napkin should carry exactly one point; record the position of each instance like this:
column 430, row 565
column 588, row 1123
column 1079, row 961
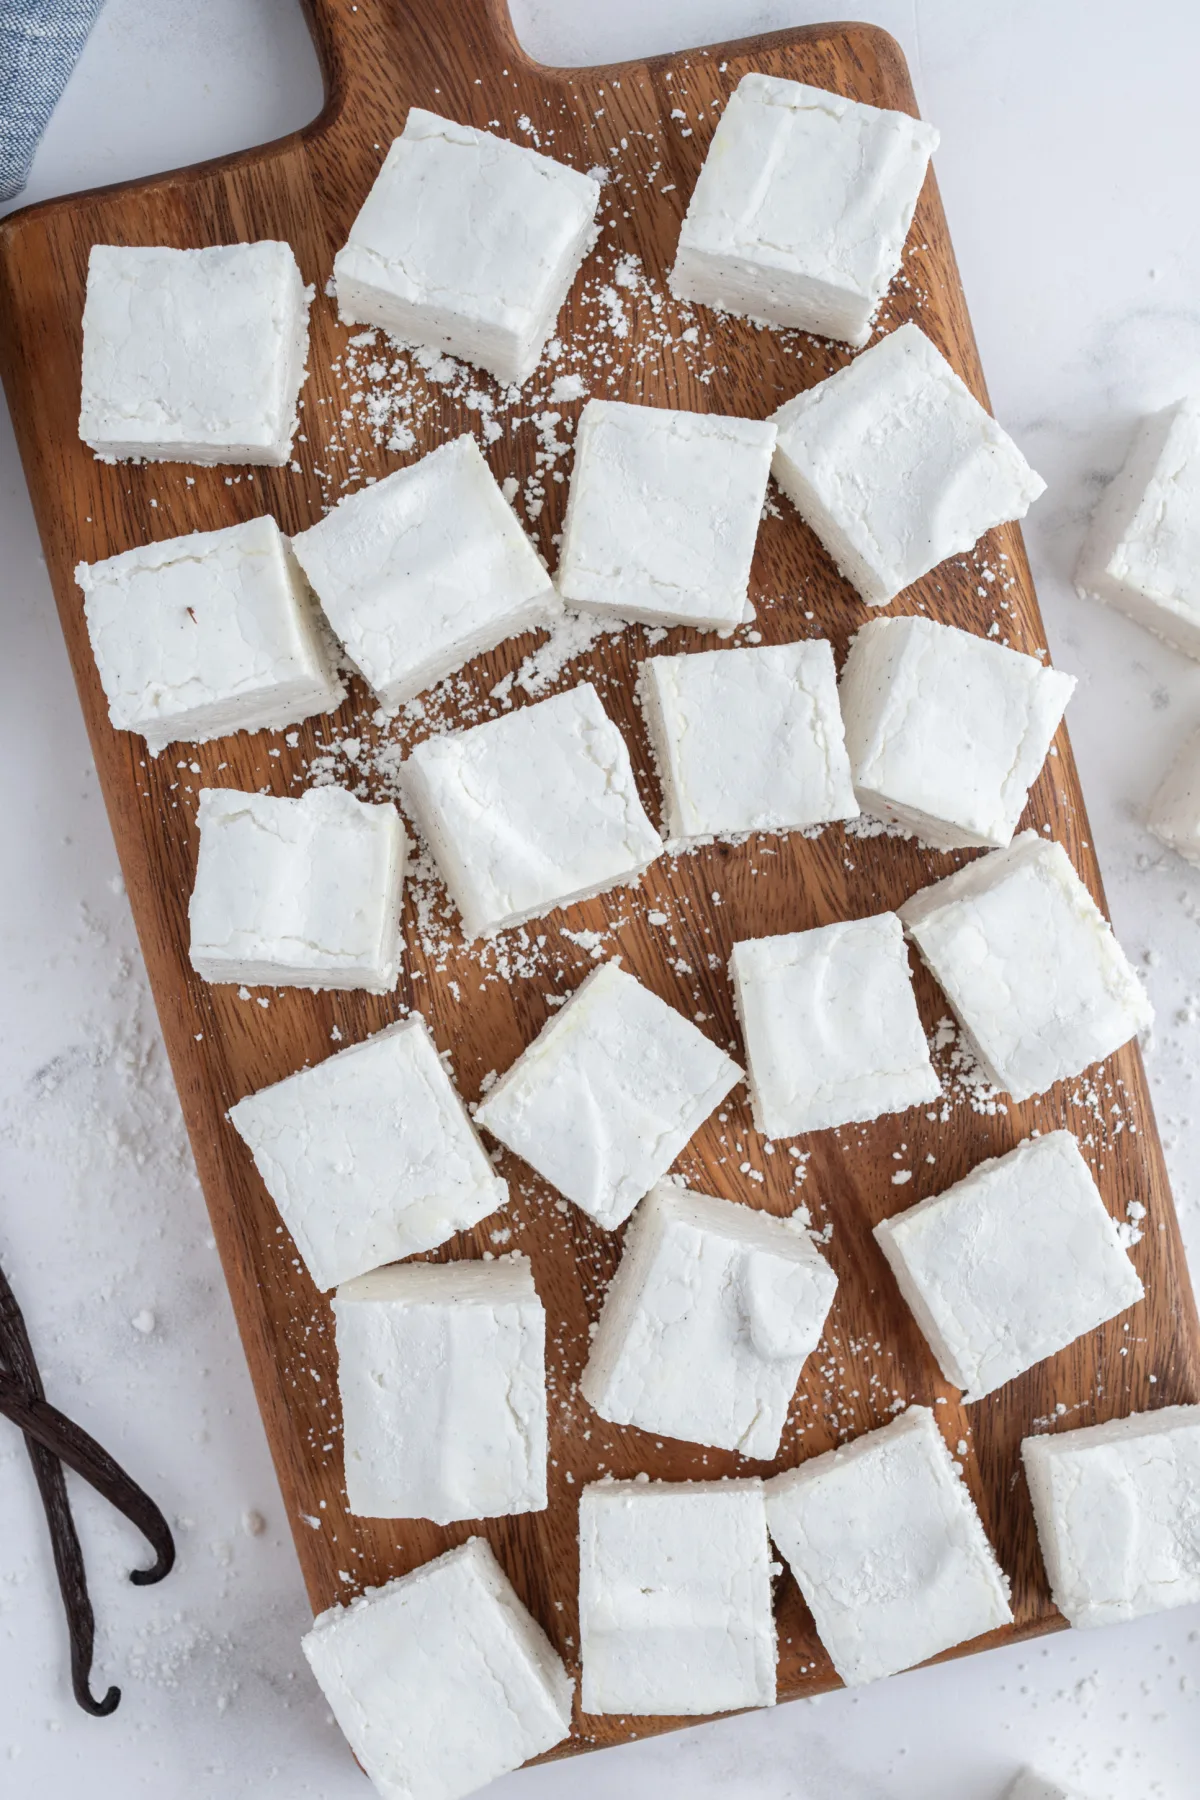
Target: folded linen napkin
column 40, row 41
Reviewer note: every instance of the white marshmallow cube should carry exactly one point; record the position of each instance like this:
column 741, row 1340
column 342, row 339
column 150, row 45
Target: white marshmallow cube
column 425, row 569
column 1142, row 552
column 888, row 1549
column 608, row 1093
column 946, row 731
column 1174, row 815
column 1011, row 1264
column 708, row 1323
column 441, row 1681
column 193, row 356
column 802, row 207
column 196, row 637
column 1116, row 1514
column 831, row 1026
column 442, row 1375
column 896, row 466
column 675, row 1597
column 467, row 243
column 298, row 893
column 747, row 740
column 370, row 1155
column 531, row 811
column 663, row 515
column 1029, row 964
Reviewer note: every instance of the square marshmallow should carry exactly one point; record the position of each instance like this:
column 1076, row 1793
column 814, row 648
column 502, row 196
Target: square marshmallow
column 531, row 811
column 424, row 570
column 946, row 732
column 370, row 1155
column 663, row 514
column 608, row 1093
column 1011, row 1264
column 1142, row 553
column 896, row 466
column 831, row 1026
column 298, row 893
column 442, row 1374
column 1029, row 964
column 1117, row 1514
column 467, row 243
column 888, row 1549
column 709, row 1320
column 441, row 1681
column 193, row 355
column 802, row 207
column 1174, row 815
column 200, row 636
column 675, row 1597
column 747, row 740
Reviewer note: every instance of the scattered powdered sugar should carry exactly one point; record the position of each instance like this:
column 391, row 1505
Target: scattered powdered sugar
column 391, row 396
column 571, row 636
column 801, row 1160
column 964, row 1082
column 591, row 941
column 1131, row 1230
column 106, row 1240
column 105, row 1105
column 566, row 388
column 866, row 827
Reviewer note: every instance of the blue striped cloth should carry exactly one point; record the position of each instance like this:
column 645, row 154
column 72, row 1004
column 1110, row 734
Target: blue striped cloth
column 40, row 41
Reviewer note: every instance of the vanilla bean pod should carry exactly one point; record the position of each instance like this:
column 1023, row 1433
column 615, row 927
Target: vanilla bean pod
column 51, row 1440
column 75, row 1447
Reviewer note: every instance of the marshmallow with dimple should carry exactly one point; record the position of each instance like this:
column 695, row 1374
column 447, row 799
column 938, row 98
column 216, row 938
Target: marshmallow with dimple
column 708, row 1323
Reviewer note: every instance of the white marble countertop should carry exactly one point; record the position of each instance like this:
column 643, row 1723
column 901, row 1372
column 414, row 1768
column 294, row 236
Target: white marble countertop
column 1070, row 144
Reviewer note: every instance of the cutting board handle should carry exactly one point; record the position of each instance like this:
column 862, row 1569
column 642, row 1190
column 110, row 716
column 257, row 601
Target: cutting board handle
column 366, row 46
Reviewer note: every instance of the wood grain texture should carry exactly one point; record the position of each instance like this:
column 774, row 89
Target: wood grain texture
column 459, row 57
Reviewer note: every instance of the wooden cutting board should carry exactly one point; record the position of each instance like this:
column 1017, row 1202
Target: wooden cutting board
column 648, row 124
